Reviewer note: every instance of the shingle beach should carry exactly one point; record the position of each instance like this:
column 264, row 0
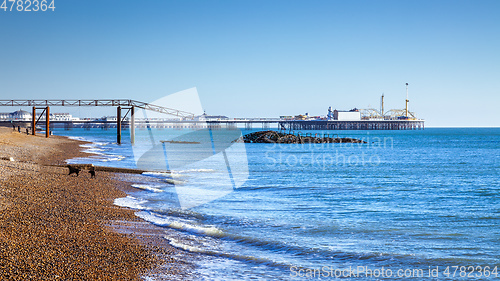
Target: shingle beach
column 57, row 227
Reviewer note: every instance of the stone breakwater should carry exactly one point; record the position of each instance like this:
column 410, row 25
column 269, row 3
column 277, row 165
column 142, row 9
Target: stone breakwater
column 277, row 137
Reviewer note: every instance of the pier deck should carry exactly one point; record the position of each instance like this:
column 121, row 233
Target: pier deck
column 248, row 124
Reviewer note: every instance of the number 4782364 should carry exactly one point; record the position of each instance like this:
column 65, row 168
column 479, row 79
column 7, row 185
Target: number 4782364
column 27, row 5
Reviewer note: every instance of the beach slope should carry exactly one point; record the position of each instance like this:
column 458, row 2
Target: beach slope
column 54, row 226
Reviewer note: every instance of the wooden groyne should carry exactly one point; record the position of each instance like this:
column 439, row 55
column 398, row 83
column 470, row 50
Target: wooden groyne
column 104, row 168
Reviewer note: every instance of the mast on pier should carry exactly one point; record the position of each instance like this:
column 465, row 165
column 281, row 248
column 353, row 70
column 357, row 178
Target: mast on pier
column 382, row 105
column 406, row 110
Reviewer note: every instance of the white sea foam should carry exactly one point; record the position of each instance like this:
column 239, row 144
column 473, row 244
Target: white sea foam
column 247, row 258
column 95, row 151
column 95, row 148
column 76, row 138
column 174, row 174
column 87, row 145
column 195, row 170
column 113, row 158
column 130, row 202
column 157, row 174
column 167, row 177
column 93, row 143
column 177, row 244
column 179, row 225
column 92, row 149
column 172, row 181
column 178, row 172
column 148, row 187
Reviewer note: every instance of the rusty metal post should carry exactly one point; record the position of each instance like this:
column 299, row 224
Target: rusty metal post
column 119, row 125
column 47, row 122
column 33, row 118
column 132, row 125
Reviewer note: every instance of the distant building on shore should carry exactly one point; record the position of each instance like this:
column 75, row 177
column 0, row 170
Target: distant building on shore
column 205, row 117
column 340, row 115
column 21, row 115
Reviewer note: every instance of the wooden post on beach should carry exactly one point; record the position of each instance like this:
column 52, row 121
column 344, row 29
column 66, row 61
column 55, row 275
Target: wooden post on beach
column 132, row 125
column 119, row 125
column 47, row 122
column 33, row 121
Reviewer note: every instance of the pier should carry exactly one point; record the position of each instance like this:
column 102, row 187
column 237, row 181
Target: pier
column 248, row 124
column 186, row 120
column 416, row 124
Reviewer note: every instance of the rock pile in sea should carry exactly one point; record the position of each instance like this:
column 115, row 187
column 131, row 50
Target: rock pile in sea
column 278, row 137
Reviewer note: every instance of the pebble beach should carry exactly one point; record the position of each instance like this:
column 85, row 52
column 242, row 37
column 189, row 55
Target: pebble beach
column 55, row 226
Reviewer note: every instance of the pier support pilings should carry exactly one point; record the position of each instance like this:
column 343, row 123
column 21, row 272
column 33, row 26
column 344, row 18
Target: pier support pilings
column 46, row 110
column 33, row 121
column 119, row 125
column 295, row 125
column 47, row 122
column 132, row 125
column 120, row 120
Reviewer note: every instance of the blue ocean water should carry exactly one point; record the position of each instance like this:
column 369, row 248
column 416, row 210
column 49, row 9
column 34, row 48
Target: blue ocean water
column 405, row 204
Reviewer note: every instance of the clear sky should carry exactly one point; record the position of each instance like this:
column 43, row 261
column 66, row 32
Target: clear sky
column 261, row 58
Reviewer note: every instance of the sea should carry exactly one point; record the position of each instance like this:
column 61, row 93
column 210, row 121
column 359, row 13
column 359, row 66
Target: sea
column 421, row 204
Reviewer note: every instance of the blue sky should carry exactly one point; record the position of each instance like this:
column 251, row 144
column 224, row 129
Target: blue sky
column 261, row 58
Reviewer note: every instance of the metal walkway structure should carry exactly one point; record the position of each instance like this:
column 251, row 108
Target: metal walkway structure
column 119, row 103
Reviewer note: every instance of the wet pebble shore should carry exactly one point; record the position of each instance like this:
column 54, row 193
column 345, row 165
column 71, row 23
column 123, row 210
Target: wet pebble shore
column 56, row 227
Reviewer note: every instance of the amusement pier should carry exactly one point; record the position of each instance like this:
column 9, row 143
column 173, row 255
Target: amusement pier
column 354, row 119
